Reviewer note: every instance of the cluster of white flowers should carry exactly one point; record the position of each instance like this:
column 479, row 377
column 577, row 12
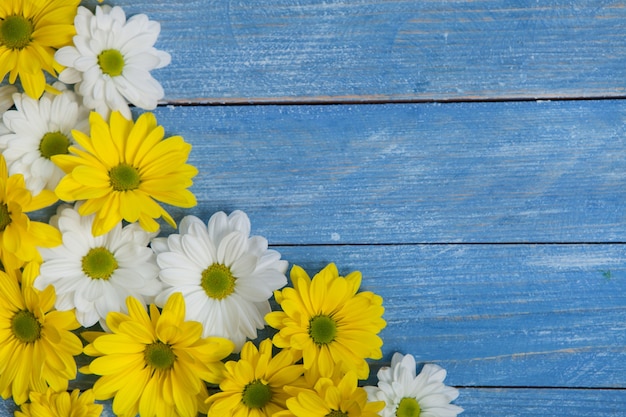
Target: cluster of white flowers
column 95, row 275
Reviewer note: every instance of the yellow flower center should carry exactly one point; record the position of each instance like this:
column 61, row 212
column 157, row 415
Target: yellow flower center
column 256, row 394
column 111, row 62
column 336, row 413
column 218, row 281
column 159, row 356
column 124, row 177
column 25, row 326
column 16, row 32
column 5, row 217
column 408, row 407
column 53, row 143
column 99, row 263
column 322, row 329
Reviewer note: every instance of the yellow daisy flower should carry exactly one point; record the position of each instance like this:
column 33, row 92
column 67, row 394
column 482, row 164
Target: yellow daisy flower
column 30, row 34
column 19, row 236
column 123, row 168
column 60, row 404
column 155, row 365
column 328, row 321
column 38, row 347
column 331, row 398
column 253, row 386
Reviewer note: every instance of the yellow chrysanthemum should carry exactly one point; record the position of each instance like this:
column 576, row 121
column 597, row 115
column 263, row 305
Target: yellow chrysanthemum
column 30, row 34
column 38, row 347
column 331, row 398
column 254, row 385
column 155, row 365
column 60, row 404
column 328, row 321
column 19, row 236
column 123, row 168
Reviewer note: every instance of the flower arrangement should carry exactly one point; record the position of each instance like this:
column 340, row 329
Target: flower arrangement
column 169, row 323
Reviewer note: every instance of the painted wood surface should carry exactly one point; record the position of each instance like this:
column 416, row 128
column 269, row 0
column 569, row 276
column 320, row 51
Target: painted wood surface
column 494, row 227
column 471, row 172
column 355, row 50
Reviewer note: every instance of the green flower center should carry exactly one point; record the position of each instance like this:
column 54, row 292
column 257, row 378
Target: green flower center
column 16, row 32
column 26, row 327
column 256, row 395
column 159, row 356
column 111, row 62
column 124, row 177
column 336, row 413
column 218, row 281
column 408, row 407
column 53, row 143
column 5, row 217
column 99, row 263
column 322, row 329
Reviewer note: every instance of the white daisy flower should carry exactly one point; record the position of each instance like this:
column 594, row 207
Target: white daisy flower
column 38, row 130
column 95, row 275
column 225, row 276
column 111, row 60
column 408, row 395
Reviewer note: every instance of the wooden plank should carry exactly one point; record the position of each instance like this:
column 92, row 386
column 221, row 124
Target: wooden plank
column 481, row 172
column 497, row 315
column 541, row 402
column 355, row 50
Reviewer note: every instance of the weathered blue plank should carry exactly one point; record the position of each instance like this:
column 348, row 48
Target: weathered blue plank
column 482, row 172
column 497, row 315
column 543, row 402
column 354, row 50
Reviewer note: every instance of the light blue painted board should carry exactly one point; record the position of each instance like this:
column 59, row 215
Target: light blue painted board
column 480, row 172
column 496, row 315
column 355, row 50
column 543, row 402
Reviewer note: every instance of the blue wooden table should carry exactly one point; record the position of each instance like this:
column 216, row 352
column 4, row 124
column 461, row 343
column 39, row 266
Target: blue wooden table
column 469, row 157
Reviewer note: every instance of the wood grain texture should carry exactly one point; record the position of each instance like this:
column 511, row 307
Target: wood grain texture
column 497, row 315
column 423, row 173
column 313, row 50
column 495, row 231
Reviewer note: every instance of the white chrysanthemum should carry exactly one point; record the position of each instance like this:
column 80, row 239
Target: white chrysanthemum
column 111, row 60
column 225, row 276
column 38, row 130
column 409, row 395
column 95, row 275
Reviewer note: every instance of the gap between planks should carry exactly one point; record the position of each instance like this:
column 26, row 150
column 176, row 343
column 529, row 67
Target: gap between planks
column 352, row 100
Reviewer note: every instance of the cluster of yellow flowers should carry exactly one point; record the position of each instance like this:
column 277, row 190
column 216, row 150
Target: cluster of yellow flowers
column 158, row 364
column 155, row 362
